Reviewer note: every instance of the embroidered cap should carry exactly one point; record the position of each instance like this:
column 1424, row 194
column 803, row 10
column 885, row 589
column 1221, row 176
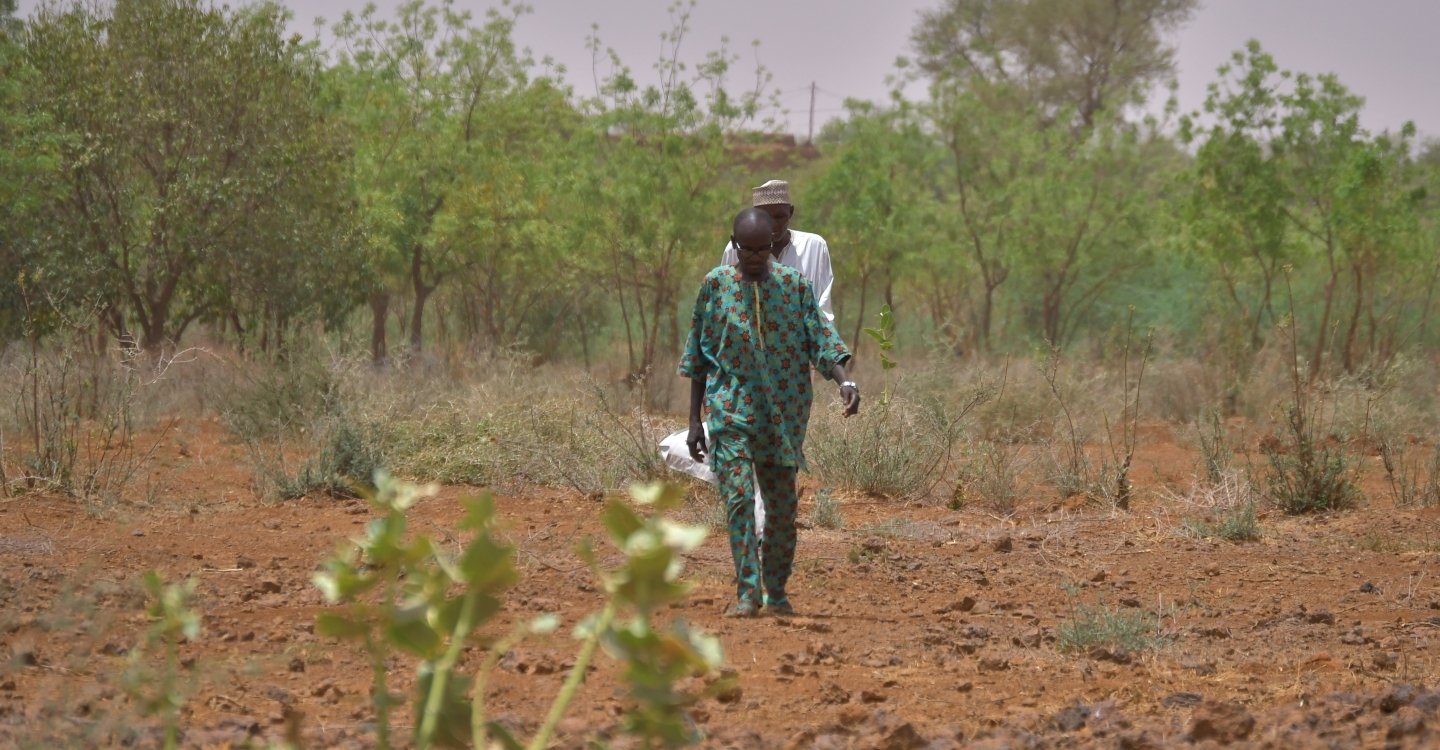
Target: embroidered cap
column 771, row 193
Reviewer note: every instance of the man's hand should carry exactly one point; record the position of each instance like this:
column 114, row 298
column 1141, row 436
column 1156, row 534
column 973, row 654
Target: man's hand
column 695, row 441
column 850, row 394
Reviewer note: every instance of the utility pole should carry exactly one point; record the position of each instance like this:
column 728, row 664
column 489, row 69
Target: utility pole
column 810, row 137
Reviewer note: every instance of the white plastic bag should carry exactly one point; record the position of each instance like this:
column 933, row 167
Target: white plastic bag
column 677, row 456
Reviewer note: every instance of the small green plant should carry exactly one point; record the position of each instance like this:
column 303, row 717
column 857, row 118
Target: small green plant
column 345, row 465
column 1101, row 625
column 825, row 514
column 884, row 337
column 402, row 593
column 156, row 689
column 1237, row 524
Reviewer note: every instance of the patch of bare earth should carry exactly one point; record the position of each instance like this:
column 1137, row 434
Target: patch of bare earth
column 918, row 627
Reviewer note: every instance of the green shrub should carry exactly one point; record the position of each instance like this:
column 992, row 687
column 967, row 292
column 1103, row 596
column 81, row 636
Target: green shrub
column 894, row 450
column 344, row 467
column 1101, row 625
column 1307, row 476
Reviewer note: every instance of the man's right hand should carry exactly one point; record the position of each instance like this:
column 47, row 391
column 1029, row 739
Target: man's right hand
column 695, row 441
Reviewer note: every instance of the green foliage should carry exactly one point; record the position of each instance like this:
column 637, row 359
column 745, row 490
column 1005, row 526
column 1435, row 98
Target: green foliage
column 874, row 185
column 1284, row 176
column 1308, row 475
column 153, row 679
column 884, row 337
column 1050, row 193
column 1070, row 59
column 893, row 451
column 342, row 468
column 426, row 173
column 657, row 186
column 418, row 613
column 28, row 180
column 202, row 179
column 1101, row 625
column 431, row 604
column 459, row 157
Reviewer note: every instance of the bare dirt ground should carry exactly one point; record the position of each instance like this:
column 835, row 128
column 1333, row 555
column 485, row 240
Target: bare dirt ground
column 919, row 626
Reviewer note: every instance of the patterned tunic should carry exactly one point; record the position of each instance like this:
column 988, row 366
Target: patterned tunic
column 755, row 342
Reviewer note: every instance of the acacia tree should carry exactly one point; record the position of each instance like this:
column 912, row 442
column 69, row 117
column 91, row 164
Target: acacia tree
column 27, row 163
column 519, row 280
column 189, row 137
column 658, row 185
column 1069, row 61
column 1285, row 176
column 874, row 201
column 422, row 92
column 1049, row 183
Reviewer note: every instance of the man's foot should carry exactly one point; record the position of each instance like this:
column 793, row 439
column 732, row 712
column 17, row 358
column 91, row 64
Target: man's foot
column 779, row 607
column 743, row 609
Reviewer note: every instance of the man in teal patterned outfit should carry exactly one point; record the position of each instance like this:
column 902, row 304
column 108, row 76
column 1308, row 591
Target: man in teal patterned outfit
column 754, row 335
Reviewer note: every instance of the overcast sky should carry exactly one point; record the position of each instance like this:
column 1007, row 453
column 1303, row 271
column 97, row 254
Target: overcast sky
column 1387, row 51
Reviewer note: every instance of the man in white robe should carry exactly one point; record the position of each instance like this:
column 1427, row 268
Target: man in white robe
column 805, row 252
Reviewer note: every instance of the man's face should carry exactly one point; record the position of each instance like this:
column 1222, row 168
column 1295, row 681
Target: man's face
column 780, row 213
column 753, row 246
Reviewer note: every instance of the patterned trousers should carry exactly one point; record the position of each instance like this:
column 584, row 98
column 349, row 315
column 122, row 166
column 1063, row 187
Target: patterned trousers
column 771, row 559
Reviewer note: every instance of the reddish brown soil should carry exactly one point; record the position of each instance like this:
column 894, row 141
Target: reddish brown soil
column 936, row 632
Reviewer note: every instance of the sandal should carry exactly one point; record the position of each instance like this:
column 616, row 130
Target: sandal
column 781, row 607
column 743, row 609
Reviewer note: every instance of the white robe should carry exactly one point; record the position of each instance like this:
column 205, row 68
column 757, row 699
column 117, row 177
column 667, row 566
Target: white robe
column 810, row 255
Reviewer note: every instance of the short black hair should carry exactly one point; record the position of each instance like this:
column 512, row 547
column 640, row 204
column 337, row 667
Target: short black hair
column 751, row 219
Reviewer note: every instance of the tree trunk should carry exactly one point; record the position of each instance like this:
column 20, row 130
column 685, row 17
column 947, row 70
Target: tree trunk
column 1317, row 356
column 422, row 294
column 987, row 311
column 860, row 317
column 1353, row 328
column 379, row 310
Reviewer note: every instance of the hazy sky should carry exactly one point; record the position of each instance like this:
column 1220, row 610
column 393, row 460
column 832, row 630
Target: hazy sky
column 1385, row 50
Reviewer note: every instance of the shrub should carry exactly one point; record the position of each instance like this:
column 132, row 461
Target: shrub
column 1227, row 508
column 1412, row 480
column 890, row 450
column 1237, row 524
column 342, row 468
column 1101, row 625
column 1213, row 443
column 825, row 513
column 990, row 472
column 1306, row 475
